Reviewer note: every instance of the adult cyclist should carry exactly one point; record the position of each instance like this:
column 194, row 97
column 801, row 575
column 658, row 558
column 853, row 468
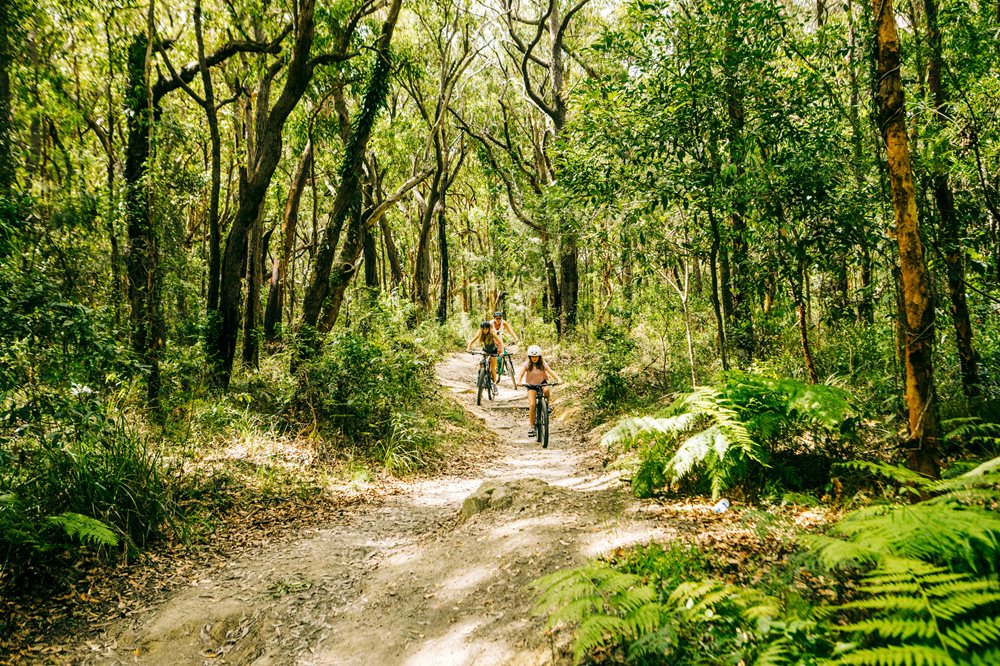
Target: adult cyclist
column 499, row 325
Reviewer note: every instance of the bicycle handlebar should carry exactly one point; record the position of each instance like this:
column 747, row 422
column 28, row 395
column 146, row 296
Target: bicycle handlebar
column 535, row 387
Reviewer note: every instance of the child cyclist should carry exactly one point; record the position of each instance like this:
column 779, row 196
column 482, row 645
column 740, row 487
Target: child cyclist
column 536, row 371
column 491, row 344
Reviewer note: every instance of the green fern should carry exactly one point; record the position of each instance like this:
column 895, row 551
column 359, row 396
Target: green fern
column 956, row 526
column 84, row 529
column 724, row 431
column 609, row 607
column 912, row 612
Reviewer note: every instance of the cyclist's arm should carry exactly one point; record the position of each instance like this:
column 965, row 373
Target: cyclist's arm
column 468, row 345
column 524, row 371
column 506, row 325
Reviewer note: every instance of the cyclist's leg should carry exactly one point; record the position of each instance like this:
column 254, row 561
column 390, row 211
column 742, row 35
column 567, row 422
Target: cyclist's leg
column 531, row 408
column 493, row 367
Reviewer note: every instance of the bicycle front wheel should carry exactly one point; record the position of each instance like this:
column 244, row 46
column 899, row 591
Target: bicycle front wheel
column 541, row 419
column 510, row 367
column 545, row 424
column 480, row 383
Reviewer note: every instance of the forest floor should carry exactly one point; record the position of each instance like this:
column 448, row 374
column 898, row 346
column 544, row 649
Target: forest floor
column 405, row 578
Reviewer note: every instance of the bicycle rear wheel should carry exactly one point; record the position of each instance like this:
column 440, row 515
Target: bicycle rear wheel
column 480, row 382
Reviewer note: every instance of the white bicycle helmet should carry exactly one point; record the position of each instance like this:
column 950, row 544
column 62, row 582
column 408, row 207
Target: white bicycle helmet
column 534, row 350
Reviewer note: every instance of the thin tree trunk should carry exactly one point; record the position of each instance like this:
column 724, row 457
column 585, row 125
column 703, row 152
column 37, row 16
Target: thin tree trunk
column 918, row 300
column 950, row 227
column 391, row 253
column 371, row 263
column 289, row 229
column 8, row 30
column 215, row 186
column 720, row 319
column 442, row 308
column 797, row 279
column 251, row 313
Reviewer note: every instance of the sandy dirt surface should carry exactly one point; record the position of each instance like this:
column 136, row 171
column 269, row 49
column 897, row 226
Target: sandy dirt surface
column 408, row 580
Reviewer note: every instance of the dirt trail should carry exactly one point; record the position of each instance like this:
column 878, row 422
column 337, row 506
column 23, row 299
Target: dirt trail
column 407, row 581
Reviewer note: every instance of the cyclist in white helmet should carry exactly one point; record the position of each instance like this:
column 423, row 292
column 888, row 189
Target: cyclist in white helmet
column 536, row 371
column 499, row 325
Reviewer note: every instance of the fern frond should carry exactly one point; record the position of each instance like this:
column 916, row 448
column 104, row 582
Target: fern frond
column 630, row 427
column 84, row 529
column 835, row 552
column 779, row 653
column 899, row 475
column 901, row 655
column 595, row 631
column 981, row 633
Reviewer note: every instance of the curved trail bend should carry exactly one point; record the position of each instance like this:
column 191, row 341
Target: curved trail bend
column 406, row 580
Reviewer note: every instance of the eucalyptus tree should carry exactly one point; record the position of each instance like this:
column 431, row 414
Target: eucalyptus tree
column 923, row 428
column 430, row 78
column 330, row 279
column 545, row 76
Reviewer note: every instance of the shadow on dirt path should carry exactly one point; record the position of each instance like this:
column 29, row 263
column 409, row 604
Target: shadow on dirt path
column 408, row 580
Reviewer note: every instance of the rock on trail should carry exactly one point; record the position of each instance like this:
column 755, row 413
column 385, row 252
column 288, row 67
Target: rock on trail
column 435, row 575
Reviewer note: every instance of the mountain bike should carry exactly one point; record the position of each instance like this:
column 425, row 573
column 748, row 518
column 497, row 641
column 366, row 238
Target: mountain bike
column 505, row 365
column 484, row 379
column 541, row 412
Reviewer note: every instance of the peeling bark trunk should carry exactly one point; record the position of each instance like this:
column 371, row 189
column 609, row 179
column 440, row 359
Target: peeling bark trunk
column 923, row 426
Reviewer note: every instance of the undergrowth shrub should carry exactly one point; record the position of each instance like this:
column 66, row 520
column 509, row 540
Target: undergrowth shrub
column 367, row 380
column 98, row 485
column 615, row 351
column 724, row 435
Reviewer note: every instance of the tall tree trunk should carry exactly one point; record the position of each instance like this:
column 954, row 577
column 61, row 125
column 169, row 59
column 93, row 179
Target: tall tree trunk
column 442, row 308
column 797, row 279
column 922, row 439
column 945, row 201
column 422, row 261
column 391, row 253
column 370, row 259
column 8, row 30
column 569, row 280
column 142, row 257
column 251, row 313
column 327, row 282
column 289, row 229
column 555, row 299
column 866, row 302
column 256, row 179
column 215, row 184
column 713, row 261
